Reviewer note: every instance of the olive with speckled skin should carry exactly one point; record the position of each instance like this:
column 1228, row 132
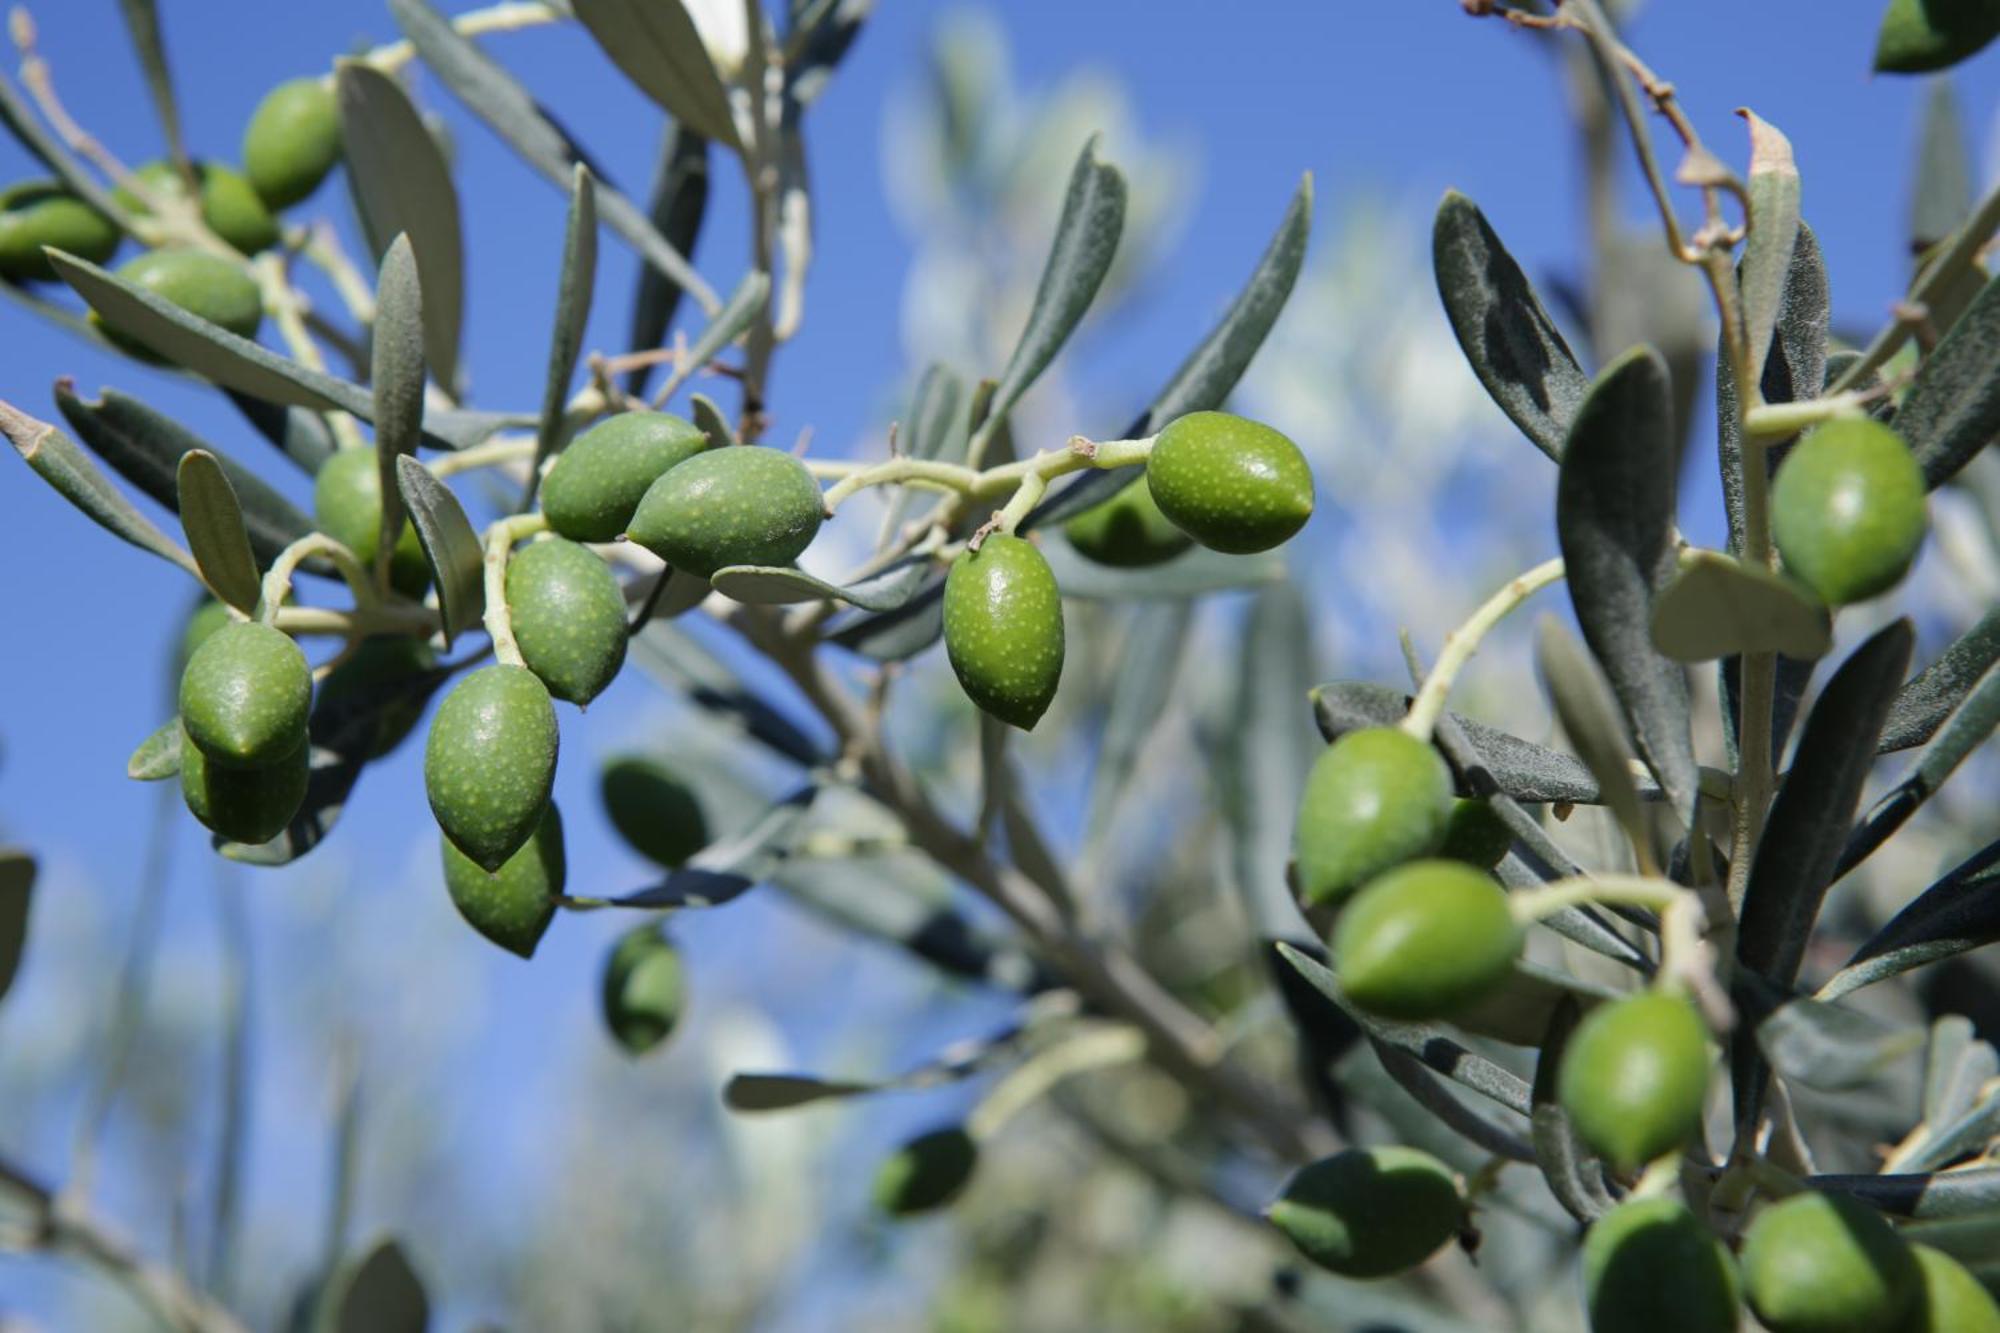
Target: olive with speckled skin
column 1003, row 629
column 568, row 616
column 1374, row 799
column 1828, row 1263
column 249, row 805
column 1634, row 1077
column 653, row 810
column 1233, row 485
column 381, row 675
column 347, row 505
column 490, row 762
column 738, row 505
column 208, row 617
column 38, row 213
column 1650, row 1266
column 596, row 484
column 644, row 989
column 205, row 285
column 1424, row 940
column 1127, row 531
column 1370, row 1212
column 229, row 206
column 927, row 1172
column 245, row 695
column 1953, row 1301
column 513, row 905
column 1847, row 510
column 292, row 141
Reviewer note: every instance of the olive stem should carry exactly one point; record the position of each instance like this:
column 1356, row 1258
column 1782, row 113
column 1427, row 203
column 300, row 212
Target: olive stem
column 1044, row 467
column 490, row 454
column 1685, row 957
column 1094, row 1047
column 500, row 539
column 1463, row 642
column 1777, row 421
column 278, row 580
column 385, row 618
column 1033, row 487
column 512, row 16
column 324, row 251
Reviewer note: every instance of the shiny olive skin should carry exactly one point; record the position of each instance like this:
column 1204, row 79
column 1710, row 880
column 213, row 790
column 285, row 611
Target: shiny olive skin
column 1003, row 629
column 653, row 809
column 738, row 505
column 1370, row 1212
column 644, row 989
column 1424, row 940
column 511, row 906
column 1848, row 510
column 1234, row 485
column 568, row 617
column 1828, row 1263
column 291, row 142
column 247, row 805
column 596, row 484
column 38, row 213
column 230, row 207
column 1650, row 1266
column 245, row 695
column 1635, row 1077
column 1127, row 531
column 490, row 762
column 347, row 505
column 1374, row 799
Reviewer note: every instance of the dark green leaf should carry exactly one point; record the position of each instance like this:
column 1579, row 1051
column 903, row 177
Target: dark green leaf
column 579, row 279
column 1952, row 410
column 1945, row 1194
column 711, row 421
column 1150, row 659
column 158, row 756
column 1589, row 717
column 1959, row 913
column 1416, row 1079
column 898, row 635
column 723, row 870
column 1941, row 198
column 1921, row 706
column 1512, row 344
column 1717, row 606
column 17, row 882
column 683, row 665
column 142, row 22
column 1189, row 574
column 782, row 1092
column 398, row 360
column 1615, row 520
column 381, row 1293
column 658, row 47
column 57, row 460
column 1968, row 729
column 678, row 203
column 1832, row 1048
column 1573, row 1175
column 765, row 585
column 1774, row 227
column 1918, row 36
column 452, row 547
column 213, row 522
column 1585, row 926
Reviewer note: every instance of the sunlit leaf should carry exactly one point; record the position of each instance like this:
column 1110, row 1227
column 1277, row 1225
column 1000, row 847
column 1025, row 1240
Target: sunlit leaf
column 659, row 48
column 456, row 558
column 213, row 522
column 57, row 460
column 1718, row 606
column 158, row 756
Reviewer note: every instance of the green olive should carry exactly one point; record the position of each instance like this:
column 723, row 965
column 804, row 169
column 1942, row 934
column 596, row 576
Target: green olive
column 1649, row 1266
column 1231, row 484
column 292, row 141
column 1635, row 1076
column 1003, row 629
column 1374, row 799
column 347, row 505
column 1127, row 531
column 596, row 484
column 568, row 616
column 245, row 695
column 1952, row 1301
column 644, row 989
column 206, row 286
column 248, row 805
column 1828, row 1263
column 381, row 677
column 1425, row 939
column 1847, row 510
column 490, row 762
column 738, row 505
column 1370, row 1212
column 38, row 213
column 654, row 810
column 208, row 616
column 511, row 906
column 927, row 1172
column 229, row 206
column 1475, row 834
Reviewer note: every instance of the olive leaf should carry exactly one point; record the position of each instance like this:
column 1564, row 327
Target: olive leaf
column 1968, row 729
column 671, row 656
column 898, row 635
column 1952, row 409
column 142, row 23
column 1773, row 202
column 17, row 883
column 783, row 1092
column 1941, row 194
column 938, row 426
column 724, row 870
column 1831, row 1047
column 378, row 1293
column 711, row 421
column 1957, row 1067
column 213, row 522
column 1923, row 704
column 1615, row 522
column 741, row 310
column 450, row 545
column 398, row 376
column 158, row 756
column 57, row 460
column 1574, row 1176
column 300, row 434
column 1918, row 36
column 1959, row 913
column 1583, row 926
column 1415, row 1078
column 1264, row 748
column 1964, row 1135
column 676, row 207
column 795, row 222
column 820, row 38
column 1189, row 574
column 1718, row 606
column 1589, row 717
column 402, row 185
column 659, row 48
column 573, row 295
column 1155, row 637
column 1513, row 346
column 1921, row 1194
column 766, row 585
column 1519, row 1007
column 674, row 593
column 26, row 126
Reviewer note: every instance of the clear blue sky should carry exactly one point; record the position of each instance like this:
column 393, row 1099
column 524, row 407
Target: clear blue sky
column 1397, row 99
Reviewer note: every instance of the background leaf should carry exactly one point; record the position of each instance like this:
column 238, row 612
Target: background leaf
column 1717, row 606
column 1589, row 717
column 1923, row 704
column 1155, row 636
column 573, row 293
column 676, row 207
column 1831, row 1047
column 1968, row 729
column 1918, row 36
column 398, row 359
column 659, row 48
column 1941, row 195
column 17, row 882
column 765, row 585
column 1952, row 409
column 1959, row 913
column 379, row 1293
column 452, row 547
column 213, row 523
column 142, row 22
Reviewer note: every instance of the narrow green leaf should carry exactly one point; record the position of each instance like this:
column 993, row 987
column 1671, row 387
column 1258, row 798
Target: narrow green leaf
column 783, row 1092
column 1574, row 1176
column 1717, row 606
column 1941, row 194
column 380, row 1293
column 1514, row 347
column 1968, row 729
column 765, row 585
column 658, row 47
column 452, row 547
column 1918, row 36
column 398, row 376
column 158, row 756
column 1589, row 717
column 676, row 207
column 1415, row 1078
column 1266, row 747
column 1189, row 574
column 1922, row 705
column 937, row 427
column 1925, row 1195
column 1959, row 913
column 1774, row 228
column 898, row 635
column 1952, row 410
column 1155, row 637
column 1615, row 520
column 741, row 310
column 1965, row 1135
column 714, row 425
column 213, row 522
column 573, row 297
column 57, row 460
column 17, row 882
column 402, row 185
column 142, row 22
column 1833, row 1048
column 1519, row 1007
column 1957, row 1067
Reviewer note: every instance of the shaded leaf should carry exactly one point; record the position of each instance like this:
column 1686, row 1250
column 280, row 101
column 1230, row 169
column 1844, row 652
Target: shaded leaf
column 766, row 585
column 898, row 635
column 1833, row 1048
column 1952, row 409
column 669, row 654
column 57, row 460
column 398, row 362
column 1589, row 717
column 213, row 522
column 1155, row 637
column 1416, row 1079
column 573, row 294
column 1965, row 1135
column 1968, row 729
column 142, row 22
column 380, row 1293
column 711, row 421
column 1718, row 606
column 1959, row 913
column 1190, row 574
column 1774, row 227
column 1918, row 36
column 17, row 882
column 1923, row 704
column 1925, row 1195
column 456, row 558
column 1956, row 1067
column 1518, row 1008
column 1574, row 1176
column 742, row 309
column 658, row 47
column 678, row 202
column 158, row 756
column 782, row 1092
column 723, row 870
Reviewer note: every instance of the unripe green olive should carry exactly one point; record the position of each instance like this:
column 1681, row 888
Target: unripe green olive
column 653, row 810
column 595, row 485
column 208, row 617
column 1231, row 484
column 1828, row 1263
column 292, row 141
column 206, row 286
column 347, row 505
column 490, row 762
column 738, row 505
column 38, row 213
column 568, row 616
column 1425, row 939
column 245, row 695
column 1634, row 1077
column 1475, row 834
column 379, row 676
column 1003, row 629
column 229, row 206
column 511, row 906
column 1952, row 1300
column 1649, row 1266
column 1370, row 1212
column 927, row 1172
column 248, row 805
column 1374, row 799
column 1847, row 510
column 1127, row 531
column 644, row 989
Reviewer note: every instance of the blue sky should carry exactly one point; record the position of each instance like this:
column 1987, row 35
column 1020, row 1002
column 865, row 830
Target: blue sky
column 1396, row 101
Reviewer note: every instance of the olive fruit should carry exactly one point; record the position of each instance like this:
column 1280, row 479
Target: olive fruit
column 1952, row 1299
column 1370, row 1212
column 229, row 206
column 1634, row 1077
column 1475, row 834
column 245, row 695
column 645, row 989
column 38, row 213
column 513, row 905
column 653, row 810
column 1374, row 799
column 1828, row 1263
column 1003, row 629
column 568, row 616
column 292, row 141
column 347, row 505
column 1232, row 485
column 209, row 616
column 1127, row 531
column 739, row 505
column 595, row 485
column 1847, row 510
column 249, row 805
column 1649, row 1266
column 490, row 761
column 380, row 678
column 927, row 1172
column 1424, row 939
column 206, row 286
